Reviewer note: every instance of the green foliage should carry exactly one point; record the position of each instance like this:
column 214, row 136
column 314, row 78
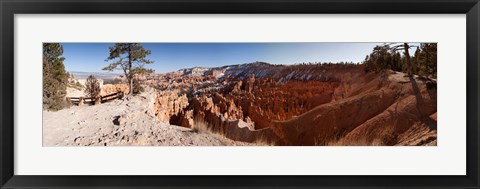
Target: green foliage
column 92, row 87
column 426, row 59
column 112, row 81
column 130, row 58
column 423, row 63
column 55, row 78
column 380, row 59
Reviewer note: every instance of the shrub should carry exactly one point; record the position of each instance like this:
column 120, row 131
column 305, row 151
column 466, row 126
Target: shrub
column 92, row 87
column 199, row 125
column 137, row 87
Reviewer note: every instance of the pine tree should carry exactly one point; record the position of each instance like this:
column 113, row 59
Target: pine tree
column 410, row 66
column 429, row 53
column 55, row 78
column 380, row 59
column 397, row 62
column 423, row 62
column 92, row 87
column 131, row 59
column 419, row 63
column 405, row 47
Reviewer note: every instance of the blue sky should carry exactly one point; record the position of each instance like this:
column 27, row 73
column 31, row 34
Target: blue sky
column 167, row 57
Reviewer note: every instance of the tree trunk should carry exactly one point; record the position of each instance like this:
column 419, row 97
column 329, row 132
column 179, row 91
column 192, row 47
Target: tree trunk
column 407, row 57
column 130, row 82
column 131, row 86
column 427, row 64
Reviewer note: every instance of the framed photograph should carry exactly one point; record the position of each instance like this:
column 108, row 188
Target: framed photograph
column 239, row 94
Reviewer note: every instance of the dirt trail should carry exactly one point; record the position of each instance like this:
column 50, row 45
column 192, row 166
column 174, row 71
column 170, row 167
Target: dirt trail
column 129, row 121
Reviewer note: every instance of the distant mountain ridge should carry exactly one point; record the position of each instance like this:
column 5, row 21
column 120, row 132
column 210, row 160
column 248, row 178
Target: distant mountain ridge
column 280, row 73
column 99, row 75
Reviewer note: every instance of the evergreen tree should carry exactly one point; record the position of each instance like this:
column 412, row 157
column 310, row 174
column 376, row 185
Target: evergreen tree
column 408, row 63
column 55, row 78
column 419, row 65
column 428, row 56
column 396, row 62
column 92, row 87
column 424, row 61
column 380, row 59
column 131, row 59
column 410, row 66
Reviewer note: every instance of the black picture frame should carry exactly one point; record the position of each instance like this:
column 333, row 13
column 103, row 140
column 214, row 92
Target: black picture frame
column 11, row 7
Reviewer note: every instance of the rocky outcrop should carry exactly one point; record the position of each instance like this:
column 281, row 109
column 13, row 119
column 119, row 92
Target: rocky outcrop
column 170, row 107
column 270, row 101
column 281, row 105
column 326, row 122
column 113, row 88
column 302, row 104
column 413, row 112
column 234, row 127
column 250, row 82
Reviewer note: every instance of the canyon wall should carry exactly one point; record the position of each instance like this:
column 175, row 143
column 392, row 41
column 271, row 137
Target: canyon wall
column 304, row 105
column 170, row 107
column 113, row 88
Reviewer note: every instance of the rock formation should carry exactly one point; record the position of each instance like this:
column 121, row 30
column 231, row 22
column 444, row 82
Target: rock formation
column 113, row 88
column 317, row 104
column 170, row 107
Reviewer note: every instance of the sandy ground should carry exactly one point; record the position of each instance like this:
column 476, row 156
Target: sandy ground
column 72, row 92
column 123, row 122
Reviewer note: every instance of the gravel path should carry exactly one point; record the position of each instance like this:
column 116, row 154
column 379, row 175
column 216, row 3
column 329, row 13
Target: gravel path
column 124, row 122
